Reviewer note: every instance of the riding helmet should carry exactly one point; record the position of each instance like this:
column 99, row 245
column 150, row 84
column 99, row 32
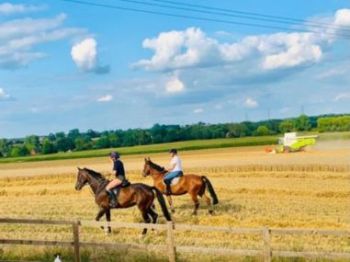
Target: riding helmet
column 173, row 150
column 114, row 154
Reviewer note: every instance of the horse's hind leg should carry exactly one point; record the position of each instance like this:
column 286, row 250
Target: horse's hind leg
column 208, row 201
column 146, row 219
column 153, row 214
column 170, row 201
column 196, row 203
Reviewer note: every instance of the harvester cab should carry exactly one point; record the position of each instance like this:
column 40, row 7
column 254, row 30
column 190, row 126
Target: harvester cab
column 293, row 143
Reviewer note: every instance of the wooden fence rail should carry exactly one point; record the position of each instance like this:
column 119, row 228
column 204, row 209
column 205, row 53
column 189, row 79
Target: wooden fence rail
column 171, row 248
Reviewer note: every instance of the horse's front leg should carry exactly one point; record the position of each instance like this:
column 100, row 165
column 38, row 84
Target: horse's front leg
column 99, row 215
column 170, row 201
column 108, row 218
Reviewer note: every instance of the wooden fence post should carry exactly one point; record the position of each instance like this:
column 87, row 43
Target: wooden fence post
column 267, row 245
column 76, row 241
column 171, row 242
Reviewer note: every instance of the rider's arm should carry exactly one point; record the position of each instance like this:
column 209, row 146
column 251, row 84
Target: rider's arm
column 115, row 168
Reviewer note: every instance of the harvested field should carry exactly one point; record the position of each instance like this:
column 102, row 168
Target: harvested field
column 301, row 190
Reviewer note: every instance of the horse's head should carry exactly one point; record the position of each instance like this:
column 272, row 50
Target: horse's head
column 82, row 179
column 147, row 167
column 150, row 168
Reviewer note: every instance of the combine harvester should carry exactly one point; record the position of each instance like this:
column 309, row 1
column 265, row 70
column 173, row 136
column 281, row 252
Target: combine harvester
column 293, row 143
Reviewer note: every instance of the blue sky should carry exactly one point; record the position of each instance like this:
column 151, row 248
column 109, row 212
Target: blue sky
column 65, row 66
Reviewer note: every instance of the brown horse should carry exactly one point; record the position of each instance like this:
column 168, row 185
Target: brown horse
column 137, row 194
column 194, row 185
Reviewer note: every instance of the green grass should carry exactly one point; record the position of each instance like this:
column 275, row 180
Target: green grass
column 155, row 148
column 183, row 145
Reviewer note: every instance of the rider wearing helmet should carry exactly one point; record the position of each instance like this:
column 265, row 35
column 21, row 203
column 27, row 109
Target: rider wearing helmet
column 175, row 170
column 119, row 172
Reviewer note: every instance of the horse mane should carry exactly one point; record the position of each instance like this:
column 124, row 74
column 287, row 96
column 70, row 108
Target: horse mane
column 95, row 174
column 157, row 167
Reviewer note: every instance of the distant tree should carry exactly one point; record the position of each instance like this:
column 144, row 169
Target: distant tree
column 158, row 132
column 64, row 144
column 48, row 147
column 82, row 143
column 92, row 134
column 4, row 147
column 51, row 137
column 302, row 123
column 143, row 137
column 60, row 135
column 102, row 142
column 262, row 131
column 286, row 126
column 113, row 139
column 18, row 151
column 32, row 143
column 237, row 130
column 74, row 134
column 337, row 123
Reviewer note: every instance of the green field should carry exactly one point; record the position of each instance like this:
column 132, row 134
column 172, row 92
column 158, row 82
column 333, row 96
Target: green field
column 183, row 145
column 155, row 148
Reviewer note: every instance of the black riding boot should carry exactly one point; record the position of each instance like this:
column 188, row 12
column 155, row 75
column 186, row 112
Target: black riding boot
column 168, row 189
column 112, row 199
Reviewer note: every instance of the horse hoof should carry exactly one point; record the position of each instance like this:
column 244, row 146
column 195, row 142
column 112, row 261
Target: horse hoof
column 173, row 211
column 211, row 212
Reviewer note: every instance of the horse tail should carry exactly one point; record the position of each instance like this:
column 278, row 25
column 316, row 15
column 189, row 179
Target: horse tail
column 211, row 190
column 162, row 203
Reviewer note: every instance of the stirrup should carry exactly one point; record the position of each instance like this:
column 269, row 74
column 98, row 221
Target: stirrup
column 112, row 201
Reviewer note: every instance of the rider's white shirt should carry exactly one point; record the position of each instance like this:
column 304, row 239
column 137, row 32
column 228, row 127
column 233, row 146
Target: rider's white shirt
column 178, row 164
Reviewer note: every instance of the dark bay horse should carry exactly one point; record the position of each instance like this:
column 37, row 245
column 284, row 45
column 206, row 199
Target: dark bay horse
column 137, row 194
column 194, row 185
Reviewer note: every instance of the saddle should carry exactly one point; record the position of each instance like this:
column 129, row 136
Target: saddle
column 175, row 181
column 125, row 183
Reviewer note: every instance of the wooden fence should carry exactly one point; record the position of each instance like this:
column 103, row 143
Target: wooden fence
column 171, row 248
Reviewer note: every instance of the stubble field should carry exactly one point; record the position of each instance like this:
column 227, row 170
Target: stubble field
column 255, row 189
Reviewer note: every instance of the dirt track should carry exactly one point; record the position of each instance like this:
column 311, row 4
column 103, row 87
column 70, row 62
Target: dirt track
column 327, row 153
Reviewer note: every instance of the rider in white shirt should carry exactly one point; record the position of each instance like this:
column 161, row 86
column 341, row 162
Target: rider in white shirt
column 175, row 170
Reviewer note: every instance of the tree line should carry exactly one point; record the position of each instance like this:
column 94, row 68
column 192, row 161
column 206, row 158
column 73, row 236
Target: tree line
column 75, row 140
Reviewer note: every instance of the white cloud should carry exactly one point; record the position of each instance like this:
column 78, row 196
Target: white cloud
column 331, row 73
column 342, row 96
column 193, row 48
column 4, row 95
column 178, row 49
column 85, row 56
column 342, row 17
column 174, row 85
column 19, row 37
column 9, row 9
column 251, row 103
column 106, row 98
column 198, row 110
column 300, row 48
column 28, row 26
